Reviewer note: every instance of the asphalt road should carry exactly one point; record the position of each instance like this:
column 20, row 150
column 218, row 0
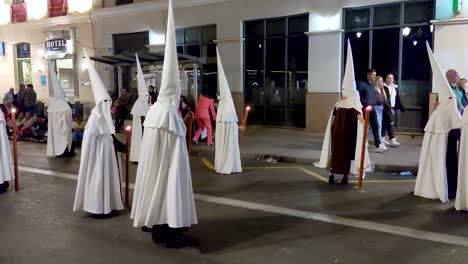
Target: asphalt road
column 270, row 213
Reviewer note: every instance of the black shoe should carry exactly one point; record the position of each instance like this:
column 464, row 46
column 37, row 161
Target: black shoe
column 344, row 180
column 146, row 229
column 177, row 240
column 160, row 233
column 4, row 187
column 331, row 179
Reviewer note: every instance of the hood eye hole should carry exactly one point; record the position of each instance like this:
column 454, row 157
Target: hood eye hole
column 450, row 97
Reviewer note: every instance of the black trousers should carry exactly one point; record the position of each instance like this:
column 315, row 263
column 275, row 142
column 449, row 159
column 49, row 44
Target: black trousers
column 451, row 162
column 387, row 124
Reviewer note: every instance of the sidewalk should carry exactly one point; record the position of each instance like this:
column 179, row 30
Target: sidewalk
column 297, row 146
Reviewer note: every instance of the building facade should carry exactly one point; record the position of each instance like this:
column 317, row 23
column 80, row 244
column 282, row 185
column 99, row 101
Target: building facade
column 284, row 58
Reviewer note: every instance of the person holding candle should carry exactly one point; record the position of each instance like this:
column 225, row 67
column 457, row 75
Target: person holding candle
column 344, row 134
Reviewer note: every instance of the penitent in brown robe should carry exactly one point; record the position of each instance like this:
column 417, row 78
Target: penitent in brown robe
column 343, row 140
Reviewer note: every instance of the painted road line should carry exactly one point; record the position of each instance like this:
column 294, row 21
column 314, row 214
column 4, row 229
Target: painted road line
column 325, row 218
column 210, row 166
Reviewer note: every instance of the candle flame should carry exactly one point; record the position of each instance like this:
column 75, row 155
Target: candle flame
column 369, row 108
column 13, row 110
column 247, row 108
column 128, row 128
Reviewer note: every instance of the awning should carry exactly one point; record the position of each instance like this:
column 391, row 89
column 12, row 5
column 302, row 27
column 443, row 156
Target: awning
column 154, row 58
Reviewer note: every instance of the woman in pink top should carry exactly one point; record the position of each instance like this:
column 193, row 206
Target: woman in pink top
column 202, row 115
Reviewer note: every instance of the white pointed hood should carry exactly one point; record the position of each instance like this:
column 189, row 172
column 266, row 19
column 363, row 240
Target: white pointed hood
column 446, row 117
column 170, row 83
column 141, row 107
column 57, row 102
column 101, row 112
column 165, row 112
column 226, row 109
column 349, row 85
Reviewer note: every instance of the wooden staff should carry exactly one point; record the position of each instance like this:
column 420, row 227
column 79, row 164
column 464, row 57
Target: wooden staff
column 363, row 146
column 244, row 123
column 128, row 133
column 15, row 148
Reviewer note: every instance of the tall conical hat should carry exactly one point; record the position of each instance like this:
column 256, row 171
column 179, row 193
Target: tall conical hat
column 99, row 89
column 165, row 112
column 443, row 87
column 170, row 83
column 142, row 88
column 140, row 107
column 349, row 85
column 226, row 109
column 57, row 103
column 446, row 117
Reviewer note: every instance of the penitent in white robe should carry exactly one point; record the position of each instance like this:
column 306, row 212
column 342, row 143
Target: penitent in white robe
column 431, row 182
column 59, row 132
column 325, row 156
column 227, row 156
column 137, row 135
column 6, row 161
column 99, row 184
column 461, row 201
column 163, row 188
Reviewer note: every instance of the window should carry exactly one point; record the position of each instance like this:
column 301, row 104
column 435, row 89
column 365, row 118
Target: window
column 379, row 43
column 23, row 57
column 66, row 76
column 276, row 68
column 128, row 44
column 199, row 42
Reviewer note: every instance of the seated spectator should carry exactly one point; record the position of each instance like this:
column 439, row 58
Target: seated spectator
column 9, row 96
column 39, row 128
column 30, row 99
column 24, row 126
column 78, row 130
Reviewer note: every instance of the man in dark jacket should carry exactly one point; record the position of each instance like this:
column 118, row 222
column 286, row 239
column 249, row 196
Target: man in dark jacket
column 369, row 98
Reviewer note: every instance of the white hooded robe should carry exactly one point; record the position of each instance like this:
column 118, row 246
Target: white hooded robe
column 99, row 185
column 140, row 108
column 6, row 160
column 227, row 153
column 431, row 180
column 461, row 201
column 60, row 121
column 163, row 189
column 352, row 102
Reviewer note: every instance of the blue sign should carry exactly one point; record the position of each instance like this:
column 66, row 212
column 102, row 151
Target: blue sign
column 43, row 80
column 2, row 48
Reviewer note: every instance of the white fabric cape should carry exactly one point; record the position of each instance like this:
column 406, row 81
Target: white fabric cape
column 98, row 189
column 227, row 154
column 461, row 201
column 325, row 156
column 59, row 132
column 163, row 189
column 137, row 135
column 6, row 160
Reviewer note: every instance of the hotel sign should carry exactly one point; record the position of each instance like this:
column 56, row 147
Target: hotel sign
column 56, row 46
